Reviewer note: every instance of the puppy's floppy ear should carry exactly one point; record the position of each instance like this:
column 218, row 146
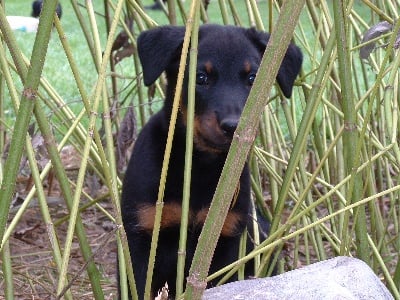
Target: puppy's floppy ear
column 291, row 63
column 157, row 48
column 289, row 69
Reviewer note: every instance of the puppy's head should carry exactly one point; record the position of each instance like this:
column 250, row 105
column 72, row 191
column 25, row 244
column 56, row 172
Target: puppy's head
column 227, row 63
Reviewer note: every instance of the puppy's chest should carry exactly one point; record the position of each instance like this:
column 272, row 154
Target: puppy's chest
column 172, row 214
column 205, row 174
column 203, row 182
column 202, row 190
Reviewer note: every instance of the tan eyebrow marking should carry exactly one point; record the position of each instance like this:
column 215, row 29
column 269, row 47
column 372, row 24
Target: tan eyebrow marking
column 209, row 67
column 247, row 66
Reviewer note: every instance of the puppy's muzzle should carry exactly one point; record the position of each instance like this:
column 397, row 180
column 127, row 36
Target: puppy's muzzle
column 228, row 126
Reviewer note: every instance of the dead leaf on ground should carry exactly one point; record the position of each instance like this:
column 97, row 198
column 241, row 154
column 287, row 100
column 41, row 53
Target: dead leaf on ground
column 126, row 138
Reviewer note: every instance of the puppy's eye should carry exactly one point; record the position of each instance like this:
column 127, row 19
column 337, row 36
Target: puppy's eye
column 251, row 79
column 201, row 78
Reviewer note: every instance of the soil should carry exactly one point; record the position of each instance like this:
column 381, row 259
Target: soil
column 34, row 269
column 35, row 273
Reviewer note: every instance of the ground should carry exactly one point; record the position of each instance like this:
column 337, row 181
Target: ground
column 34, row 269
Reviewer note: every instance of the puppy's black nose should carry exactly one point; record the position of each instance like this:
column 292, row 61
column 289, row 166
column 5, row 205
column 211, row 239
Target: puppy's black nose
column 229, row 126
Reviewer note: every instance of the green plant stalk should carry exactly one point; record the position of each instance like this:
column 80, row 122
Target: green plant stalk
column 2, row 117
column 189, row 151
column 143, row 16
column 378, row 11
column 270, row 15
column 240, row 267
column 110, row 164
column 84, row 207
column 86, row 32
column 392, row 121
column 140, row 92
column 274, row 190
column 57, row 256
column 94, row 34
column 47, row 134
column 123, row 287
column 111, row 177
column 63, row 113
column 241, row 144
column 27, row 103
column 203, row 13
column 320, row 144
column 66, row 114
column 378, row 81
column 394, row 288
column 87, row 148
column 272, row 172
column 308, row 187
column 306, row 243
column 182, row 11
column 112, row 181
column 167, row 153
column 350, row 136
column 234, row 12
column 172, row 12
column 250, row 13
column 84, row 244
column 242, row 252
column 257, row 16
column 85, row 101
column 35, row 174
column 78, row 80
column 93, row 272
column 136, row 62
column 391, row 8
column 317, row 236
column 112, row 64
column 312, row 103
column 300, row 199
column 259, row 197
column 2, row 102
column 224, row 12
column 110, row 172
column 256, row 235
column 11, row 227
column 303, row 131
column 326, row 24
column 7, row 272
column 273, row 242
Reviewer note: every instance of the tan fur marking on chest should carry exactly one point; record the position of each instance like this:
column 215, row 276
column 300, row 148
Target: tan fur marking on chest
column 171, row 215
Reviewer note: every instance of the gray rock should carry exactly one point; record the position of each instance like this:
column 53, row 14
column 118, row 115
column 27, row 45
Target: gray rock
column 338, row 278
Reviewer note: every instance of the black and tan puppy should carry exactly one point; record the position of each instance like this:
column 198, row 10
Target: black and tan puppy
column 228, row 59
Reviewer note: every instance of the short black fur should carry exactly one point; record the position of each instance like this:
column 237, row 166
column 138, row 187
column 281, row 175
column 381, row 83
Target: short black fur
column 228, row 59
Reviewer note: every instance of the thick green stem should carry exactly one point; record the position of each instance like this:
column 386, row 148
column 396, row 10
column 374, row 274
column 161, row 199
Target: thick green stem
column 27, row 103
column 188, row 154
column 168, row 148
column 241, row 144
column 350, row 135
column 7, row 272
column 82, row 171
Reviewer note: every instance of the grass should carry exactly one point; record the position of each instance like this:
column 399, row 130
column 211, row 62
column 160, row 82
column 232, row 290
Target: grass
column 312, row 194
column 56, row 68
column 58, row 73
